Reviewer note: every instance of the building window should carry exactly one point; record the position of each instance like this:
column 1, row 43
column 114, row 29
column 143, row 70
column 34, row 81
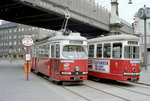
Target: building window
column 10, row 43
column 19, row 49
column 22, row 29
column 33, row 28
column 15, row 42
column 15, row 36
column 19, row 30
column 15, row 30
column 10, row 37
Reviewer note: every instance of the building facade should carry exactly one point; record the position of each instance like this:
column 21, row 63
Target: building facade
column 139, row 31
column 11, row 35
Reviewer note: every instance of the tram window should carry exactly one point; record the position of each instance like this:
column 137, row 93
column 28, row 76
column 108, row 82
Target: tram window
column 43, row 52
column 133, row 42
column 52, row 51
column 74, row 51
column 131, row 52
column 91, row 51
column 57, row 51
column 46, row 50
column 99, row 50
column 117, row 50
column 107, row 50
column 37, row 52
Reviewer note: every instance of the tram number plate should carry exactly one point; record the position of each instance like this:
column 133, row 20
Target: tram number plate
column 76, row 78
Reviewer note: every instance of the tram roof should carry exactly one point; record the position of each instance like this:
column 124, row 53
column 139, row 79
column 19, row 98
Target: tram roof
column 121, row 37
column 58, row 36
column 71, row 36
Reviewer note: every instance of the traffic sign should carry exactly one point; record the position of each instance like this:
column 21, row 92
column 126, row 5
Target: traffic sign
column 27, row 41
column 144, row 13
column 141, row 13
column 147, row 12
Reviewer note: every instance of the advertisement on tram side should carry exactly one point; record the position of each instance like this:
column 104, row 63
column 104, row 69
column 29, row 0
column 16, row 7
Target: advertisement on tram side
column 101, row 65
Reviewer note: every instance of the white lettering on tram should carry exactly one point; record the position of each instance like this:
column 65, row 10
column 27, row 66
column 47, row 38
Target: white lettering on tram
column 67, row 61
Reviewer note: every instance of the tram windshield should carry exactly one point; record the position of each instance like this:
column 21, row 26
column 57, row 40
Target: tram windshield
column 132, row 52
column 74, row 52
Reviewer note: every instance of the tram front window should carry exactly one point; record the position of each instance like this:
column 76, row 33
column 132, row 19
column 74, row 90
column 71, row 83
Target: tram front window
column 74, row 52
column 132, row 52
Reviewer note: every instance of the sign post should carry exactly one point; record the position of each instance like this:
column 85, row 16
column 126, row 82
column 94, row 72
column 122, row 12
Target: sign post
column 27, row 42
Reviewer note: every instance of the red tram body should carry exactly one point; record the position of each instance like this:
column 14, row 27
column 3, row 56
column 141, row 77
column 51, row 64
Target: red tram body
column 114, row 57
column 61, row 58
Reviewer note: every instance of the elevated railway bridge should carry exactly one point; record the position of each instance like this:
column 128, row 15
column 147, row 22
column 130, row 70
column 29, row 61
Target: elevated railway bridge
column 85, row 17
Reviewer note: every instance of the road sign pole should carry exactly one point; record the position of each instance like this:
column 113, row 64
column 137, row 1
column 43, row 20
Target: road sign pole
column 145, row 45
column 27, row 66
column 27, row 42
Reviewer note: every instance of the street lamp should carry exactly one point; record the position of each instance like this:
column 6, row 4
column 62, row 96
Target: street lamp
column 130, row 2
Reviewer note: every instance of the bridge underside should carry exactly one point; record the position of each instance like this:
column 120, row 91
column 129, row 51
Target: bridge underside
column 15, row 11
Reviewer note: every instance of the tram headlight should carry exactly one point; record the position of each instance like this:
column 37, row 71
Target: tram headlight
column 77, row 68
column 84, row 72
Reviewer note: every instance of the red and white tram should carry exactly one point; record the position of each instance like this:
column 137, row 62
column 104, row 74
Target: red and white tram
column 62, row 58
column 114, row 57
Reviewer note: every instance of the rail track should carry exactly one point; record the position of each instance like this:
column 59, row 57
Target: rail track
column 88, row 88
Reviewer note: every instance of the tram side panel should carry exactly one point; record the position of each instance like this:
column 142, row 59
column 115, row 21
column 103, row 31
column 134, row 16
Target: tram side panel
column 68, row 73
column 113, row 69
column 42, row 66
column 119, row 67
column 54, row 68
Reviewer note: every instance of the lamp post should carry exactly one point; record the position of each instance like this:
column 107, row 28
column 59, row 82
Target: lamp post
column 144, row 13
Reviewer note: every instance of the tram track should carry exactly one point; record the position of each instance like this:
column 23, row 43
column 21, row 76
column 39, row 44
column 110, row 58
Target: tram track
column 96, row 90
column 108, row 93
column 48, row 80
column 84, row 97
column 127, row 89
column 131, row 90
column 76, row 93
column 138, row 83
column 120, row 88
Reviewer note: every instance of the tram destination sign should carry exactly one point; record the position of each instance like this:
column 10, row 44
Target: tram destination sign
column 27, row 41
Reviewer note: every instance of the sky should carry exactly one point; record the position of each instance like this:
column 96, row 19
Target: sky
column 126, row 11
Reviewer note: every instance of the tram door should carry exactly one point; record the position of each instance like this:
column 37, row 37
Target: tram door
column 53, row 61
column 55, row 54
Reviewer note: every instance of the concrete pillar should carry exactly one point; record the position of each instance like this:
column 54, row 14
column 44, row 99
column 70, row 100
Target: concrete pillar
column 115, row 23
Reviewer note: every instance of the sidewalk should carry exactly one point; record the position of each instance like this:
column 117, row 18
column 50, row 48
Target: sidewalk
column 14, row 87
column 145, row 76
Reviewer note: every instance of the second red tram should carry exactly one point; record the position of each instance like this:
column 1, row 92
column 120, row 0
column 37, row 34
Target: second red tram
column 61, row 57
column 114, row 57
